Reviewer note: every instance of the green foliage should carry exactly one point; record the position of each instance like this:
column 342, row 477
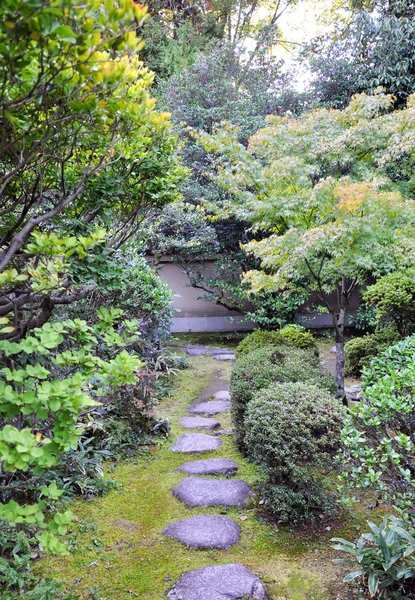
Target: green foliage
column 293, row 432
column 138, row 291
column 291, row 335
column 377, row 438
column 269, row 364
column 322, row 184
column 74, row 91
column 270, row 310
column 360, row 351
column 372, row 45
column 393, row 297
column 222, row 84
column 56, row 374
column 383, row 559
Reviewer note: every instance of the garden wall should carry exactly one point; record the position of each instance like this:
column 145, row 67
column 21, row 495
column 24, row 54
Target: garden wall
column 197, row 315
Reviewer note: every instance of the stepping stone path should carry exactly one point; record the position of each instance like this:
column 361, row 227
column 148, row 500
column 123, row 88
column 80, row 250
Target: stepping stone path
column 210, row 466
column 199, row 423
column 223, row 395
column 195, row 491
column 219, row 582
column 206, row 531
column 216, row 582
column 196, row 442
column 224, row 432
column 212, row 407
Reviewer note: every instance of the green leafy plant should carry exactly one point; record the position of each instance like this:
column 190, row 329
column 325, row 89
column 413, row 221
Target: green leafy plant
column 377, row 439
column 393, row 298
column 56, row 374
column 292, row 430
column 270, row 364
column 360, row 351
column 383, row 559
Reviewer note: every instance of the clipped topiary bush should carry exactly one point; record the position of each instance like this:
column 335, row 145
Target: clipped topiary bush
column 293, row 431
column 292, row 425
column 291, row 335
column 360, row 351
column 269, row 364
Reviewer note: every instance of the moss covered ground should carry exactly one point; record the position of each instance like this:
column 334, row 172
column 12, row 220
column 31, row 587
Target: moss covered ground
column 118, row 548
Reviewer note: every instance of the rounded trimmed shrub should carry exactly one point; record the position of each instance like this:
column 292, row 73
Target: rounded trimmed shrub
column 291, row 335
column 293, row 432
column 292, row 425
column 264, row 366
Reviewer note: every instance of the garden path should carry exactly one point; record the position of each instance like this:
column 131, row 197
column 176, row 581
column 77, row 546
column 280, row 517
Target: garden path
column 120, row 552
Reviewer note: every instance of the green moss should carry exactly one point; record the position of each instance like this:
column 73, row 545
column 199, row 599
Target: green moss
column 120, row 553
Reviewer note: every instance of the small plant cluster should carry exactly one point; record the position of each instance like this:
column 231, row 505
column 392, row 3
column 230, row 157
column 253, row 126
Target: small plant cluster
column 383, row 559
column 378, row 437
column 389, row 304
column 377, row 455
column 286, row 420
column 61, row 393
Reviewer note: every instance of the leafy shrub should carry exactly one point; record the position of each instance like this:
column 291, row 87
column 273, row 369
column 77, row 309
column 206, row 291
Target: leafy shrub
column 393, row 297
column 384, row 559
column 297, row 336
column 360, row 351
column 292, row 335
column 16, row 577
column 293, row 432
column 378, row 436
column 295, row 503
column 259, row 368
column 141, row 294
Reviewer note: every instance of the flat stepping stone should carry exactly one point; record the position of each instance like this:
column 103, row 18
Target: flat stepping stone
column 218, row 582
column 224, row 432
column 205, row 531
column 212, row 407
column 199, row 423
column 196, row 350
column 220, row 351
column 224, row 357
column 210, row 466
column 196, row 442
column 222, row 395
column 212, row 492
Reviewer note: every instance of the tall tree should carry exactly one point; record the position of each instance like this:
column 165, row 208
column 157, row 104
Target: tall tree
column 333, row 189
column 372, row 45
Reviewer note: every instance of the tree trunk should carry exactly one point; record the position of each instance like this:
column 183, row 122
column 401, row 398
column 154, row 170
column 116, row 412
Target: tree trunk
column 339, row 328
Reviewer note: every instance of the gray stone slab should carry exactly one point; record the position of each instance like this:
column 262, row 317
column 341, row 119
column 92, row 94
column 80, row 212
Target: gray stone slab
column 224, row 357
column 218, row 582
column 212, row 407
column 210, row 466
column 222, row 395
column 196, row 442
column 223, row 432
column 196, row 350
column 199, row 423
column 220, row 351
column 195, row 491
column 205, row 531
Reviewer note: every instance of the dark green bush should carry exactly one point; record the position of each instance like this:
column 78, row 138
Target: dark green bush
column 293, row 432
column 360, row 351
column 292, row 425
column 291, row 335
column 298, row 503
column 263, row 366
